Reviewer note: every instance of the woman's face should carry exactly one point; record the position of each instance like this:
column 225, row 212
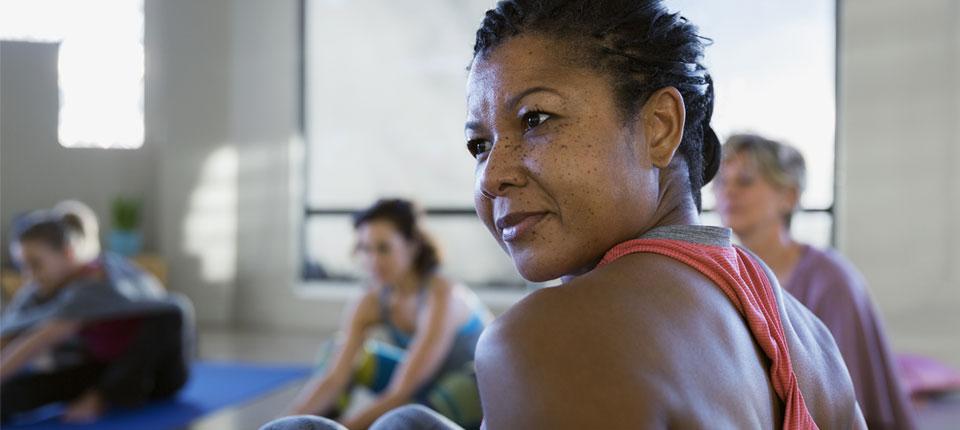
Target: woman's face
column 746, row 200
column 46, row 265
column 383, row 251
column 560, row 178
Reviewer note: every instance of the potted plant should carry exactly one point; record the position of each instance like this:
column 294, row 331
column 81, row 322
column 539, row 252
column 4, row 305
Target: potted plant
column 126, row 238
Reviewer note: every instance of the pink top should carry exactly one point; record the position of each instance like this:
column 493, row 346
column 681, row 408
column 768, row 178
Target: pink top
column 745, row 283
column 835, row 292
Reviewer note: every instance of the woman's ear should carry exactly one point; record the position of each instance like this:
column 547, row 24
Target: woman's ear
column 790, row 199
column 663, row 118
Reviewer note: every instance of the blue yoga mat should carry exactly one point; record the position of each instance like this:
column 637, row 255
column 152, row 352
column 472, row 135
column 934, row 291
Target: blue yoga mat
column 213, row 386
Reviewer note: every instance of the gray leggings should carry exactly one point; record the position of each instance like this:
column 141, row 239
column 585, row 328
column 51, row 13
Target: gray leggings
column 410, row 417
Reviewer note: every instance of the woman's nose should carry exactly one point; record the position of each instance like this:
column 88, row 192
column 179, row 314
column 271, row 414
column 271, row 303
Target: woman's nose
column 502, row 170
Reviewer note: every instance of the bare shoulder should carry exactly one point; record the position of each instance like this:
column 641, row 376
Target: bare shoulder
column 651, row 301
column 440, row 285
column 369, row 298
column 631, row 340
column 364, row 310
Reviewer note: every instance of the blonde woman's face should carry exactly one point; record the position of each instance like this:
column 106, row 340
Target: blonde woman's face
column 746, row 200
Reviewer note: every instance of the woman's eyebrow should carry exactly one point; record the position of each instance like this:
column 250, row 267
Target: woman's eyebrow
column 511, row 103
column 513, row 100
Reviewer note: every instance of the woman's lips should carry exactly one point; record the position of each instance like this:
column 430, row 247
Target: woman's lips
column 515, row 225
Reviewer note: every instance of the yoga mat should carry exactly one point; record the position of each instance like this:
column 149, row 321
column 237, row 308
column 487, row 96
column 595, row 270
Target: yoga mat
column 213, row 386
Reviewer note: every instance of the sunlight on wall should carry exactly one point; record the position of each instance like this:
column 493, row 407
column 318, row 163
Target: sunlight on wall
column 210, row 227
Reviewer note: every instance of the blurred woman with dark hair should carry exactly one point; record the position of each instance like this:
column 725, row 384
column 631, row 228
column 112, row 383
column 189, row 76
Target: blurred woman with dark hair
column 433, row 324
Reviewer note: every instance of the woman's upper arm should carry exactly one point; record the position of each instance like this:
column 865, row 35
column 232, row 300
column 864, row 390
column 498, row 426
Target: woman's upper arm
column 54, row 332
column 362, row 313
column 358, row 317
column 436, row 330
column 28, row 346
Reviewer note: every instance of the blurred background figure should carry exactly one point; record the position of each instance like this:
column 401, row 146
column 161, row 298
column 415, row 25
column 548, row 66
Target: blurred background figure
column 757, row 191
column 126, row 276
column 109, row 333
column 432, row 325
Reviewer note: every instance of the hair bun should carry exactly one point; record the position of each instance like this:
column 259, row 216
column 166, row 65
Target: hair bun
column 711, row 154
column 711, row 143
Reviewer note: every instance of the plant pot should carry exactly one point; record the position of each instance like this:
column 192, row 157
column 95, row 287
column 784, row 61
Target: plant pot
column 126, row 243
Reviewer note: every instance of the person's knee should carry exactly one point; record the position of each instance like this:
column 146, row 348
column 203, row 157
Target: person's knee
column 302, row 422
column 413, row 417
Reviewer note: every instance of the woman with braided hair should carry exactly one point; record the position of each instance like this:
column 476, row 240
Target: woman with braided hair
column 590, row 124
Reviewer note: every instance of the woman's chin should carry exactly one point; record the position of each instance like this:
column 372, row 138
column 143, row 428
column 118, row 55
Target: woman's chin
column 542, row 261
column 535, row 269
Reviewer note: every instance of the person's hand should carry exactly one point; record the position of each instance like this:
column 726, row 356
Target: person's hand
column 87, row 408
column 349, row 424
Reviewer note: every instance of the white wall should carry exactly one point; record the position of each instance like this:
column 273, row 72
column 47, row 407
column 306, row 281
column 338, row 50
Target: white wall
column 264, row 120
column 188, row 106
column 898, row 173
column 36, row 172
column 223, row 99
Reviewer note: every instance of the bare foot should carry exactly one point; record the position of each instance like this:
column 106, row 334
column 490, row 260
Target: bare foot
column 86, row 408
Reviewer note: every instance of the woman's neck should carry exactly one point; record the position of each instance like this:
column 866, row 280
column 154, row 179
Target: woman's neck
column 408, row 283
column 773, row 244
column 675, row 206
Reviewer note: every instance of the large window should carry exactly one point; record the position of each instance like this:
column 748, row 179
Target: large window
column 100, row 65
column 384, row 109
column 774, row 67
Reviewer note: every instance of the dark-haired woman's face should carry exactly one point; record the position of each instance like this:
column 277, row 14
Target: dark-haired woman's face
column 560, row 177
column 384, row 253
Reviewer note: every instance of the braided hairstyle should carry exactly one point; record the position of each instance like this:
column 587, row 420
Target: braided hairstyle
column 639, row 46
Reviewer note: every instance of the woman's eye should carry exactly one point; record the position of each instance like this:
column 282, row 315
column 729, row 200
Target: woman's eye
column 478, row 146
column 533, row 119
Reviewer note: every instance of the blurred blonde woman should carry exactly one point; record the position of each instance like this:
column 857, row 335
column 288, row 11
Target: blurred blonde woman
column 758, row 190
